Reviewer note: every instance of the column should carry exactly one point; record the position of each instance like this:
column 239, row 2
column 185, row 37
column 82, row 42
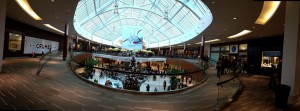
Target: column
column 184, row 47
column 89, row 49
column 65, row 52
column 76, row 43
column 100, row 47
column 291, row 50
column 2, row 29
column 202, row 46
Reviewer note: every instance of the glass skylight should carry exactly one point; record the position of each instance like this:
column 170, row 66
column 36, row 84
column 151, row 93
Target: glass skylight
column 185, row 19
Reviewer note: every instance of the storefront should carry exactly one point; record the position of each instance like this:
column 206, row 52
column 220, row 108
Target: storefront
column 260, row 53
column 22, row 40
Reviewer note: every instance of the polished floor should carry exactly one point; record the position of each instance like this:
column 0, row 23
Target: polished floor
column 57, row 88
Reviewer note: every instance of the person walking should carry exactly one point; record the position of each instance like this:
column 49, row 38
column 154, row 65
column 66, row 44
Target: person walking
column 148, row 88
column 165, row 85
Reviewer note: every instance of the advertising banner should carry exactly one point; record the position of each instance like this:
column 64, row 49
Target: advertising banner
column 132, row 38
column 39, row 46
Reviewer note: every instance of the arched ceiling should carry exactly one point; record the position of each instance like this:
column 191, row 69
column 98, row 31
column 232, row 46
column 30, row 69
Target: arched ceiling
column 163, row 22
column 59, row 12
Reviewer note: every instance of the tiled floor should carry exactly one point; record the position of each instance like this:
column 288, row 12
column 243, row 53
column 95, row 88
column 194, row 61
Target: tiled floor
column 257, row 96
column 57, row 88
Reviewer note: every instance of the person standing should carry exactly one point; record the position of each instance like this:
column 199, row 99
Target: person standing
column 148, row 88
column 155, row 89
column 219, row 67
column 165, row 85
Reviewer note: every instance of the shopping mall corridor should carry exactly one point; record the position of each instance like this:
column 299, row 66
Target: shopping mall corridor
column 57, row 88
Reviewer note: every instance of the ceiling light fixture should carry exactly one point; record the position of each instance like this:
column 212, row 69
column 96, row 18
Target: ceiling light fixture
column 208, row 41
column 244, row 32
column 27, row 8
column 269, row 8
column 51, row 27
column 234, row 18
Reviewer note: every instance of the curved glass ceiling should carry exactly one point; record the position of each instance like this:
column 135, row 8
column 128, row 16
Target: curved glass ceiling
column 164, row 22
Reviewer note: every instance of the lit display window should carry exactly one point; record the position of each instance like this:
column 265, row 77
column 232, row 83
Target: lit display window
column 270, row 58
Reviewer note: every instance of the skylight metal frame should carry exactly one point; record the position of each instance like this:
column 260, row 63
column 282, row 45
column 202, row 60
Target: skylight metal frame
column 185, row 21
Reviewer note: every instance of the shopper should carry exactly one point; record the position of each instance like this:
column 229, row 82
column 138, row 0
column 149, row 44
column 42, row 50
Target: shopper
column 165, row 85
column 155, row 89
column 219, row 67
column 148, row 88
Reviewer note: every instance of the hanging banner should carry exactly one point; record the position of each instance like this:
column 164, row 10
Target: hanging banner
column 39, row 46
column 132, row 37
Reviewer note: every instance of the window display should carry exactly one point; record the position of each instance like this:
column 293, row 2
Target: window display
column 270, row 58
column 243, row 46
column 225, row 48
column 15, row 41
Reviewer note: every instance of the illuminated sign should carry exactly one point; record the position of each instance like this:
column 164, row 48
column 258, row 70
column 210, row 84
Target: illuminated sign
column 39, row 45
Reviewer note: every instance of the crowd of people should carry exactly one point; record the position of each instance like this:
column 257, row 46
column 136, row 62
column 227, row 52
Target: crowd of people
column 224, row 65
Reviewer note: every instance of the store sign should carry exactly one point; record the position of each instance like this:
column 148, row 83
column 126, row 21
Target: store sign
column 39, row 46
column 233, row 49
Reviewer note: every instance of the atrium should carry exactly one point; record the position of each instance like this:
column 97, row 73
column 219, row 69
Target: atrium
column 155, row 55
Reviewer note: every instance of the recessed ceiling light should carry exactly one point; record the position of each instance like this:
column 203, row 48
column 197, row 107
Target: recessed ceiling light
column 269, row 8
column 234, row 18
column 27, row 8
column 53, row 28
column 244, row 32
column 213, row 40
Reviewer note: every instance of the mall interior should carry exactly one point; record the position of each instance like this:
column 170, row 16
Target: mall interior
column 150, row 55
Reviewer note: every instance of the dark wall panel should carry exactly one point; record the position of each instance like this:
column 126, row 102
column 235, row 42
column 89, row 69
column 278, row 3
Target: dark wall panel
column 14, row 26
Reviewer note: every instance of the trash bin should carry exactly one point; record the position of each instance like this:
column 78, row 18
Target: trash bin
column 281, row 96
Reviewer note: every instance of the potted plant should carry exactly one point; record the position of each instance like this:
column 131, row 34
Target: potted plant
column 89, row 68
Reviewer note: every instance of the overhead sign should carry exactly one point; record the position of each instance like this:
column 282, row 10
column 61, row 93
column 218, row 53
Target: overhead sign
column 38, row 46
column 132, row 37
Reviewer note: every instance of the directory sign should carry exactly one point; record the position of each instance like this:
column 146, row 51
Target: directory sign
column 132, row 37
column 39, row 45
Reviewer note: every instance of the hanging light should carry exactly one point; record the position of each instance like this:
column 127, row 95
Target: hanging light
column 116, row 9
column 166, row 12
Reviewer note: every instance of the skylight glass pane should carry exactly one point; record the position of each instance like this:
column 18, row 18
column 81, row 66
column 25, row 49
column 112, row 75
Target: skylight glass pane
column 90, row 6
column 81, row 13
column 155, row 27
column 97, row 20
column 89, row 26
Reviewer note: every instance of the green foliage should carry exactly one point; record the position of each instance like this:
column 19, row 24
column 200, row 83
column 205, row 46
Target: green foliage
column 174, row 71
column 90, row 65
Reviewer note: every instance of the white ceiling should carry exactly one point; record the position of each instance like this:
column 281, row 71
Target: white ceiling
column 59, row 12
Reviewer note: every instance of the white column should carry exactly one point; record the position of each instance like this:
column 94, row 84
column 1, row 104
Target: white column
column 2, row 29
column 291, row 50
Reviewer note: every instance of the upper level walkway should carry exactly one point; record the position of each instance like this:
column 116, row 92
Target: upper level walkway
column 57, row 88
